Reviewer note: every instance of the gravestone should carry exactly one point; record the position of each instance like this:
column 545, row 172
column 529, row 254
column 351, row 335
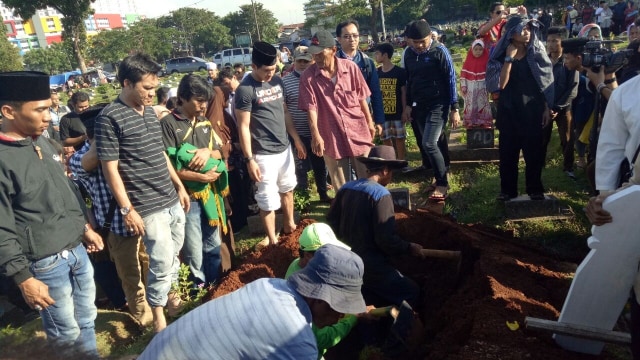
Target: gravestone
column 401, row 197
column 601, row 285
column 523, row 207
column 480, row 138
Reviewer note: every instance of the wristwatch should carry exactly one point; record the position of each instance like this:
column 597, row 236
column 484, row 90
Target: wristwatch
column 508, row 59
column 249, row 159
column 125, row 210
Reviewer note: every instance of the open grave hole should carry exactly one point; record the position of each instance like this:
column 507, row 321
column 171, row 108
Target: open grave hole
column 465, row 306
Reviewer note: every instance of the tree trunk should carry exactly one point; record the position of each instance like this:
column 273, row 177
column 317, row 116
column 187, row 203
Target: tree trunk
column 77, row 52
column 373, row 20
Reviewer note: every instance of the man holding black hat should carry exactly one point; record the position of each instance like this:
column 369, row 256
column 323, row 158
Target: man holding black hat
column 263, row 127
column 42, row 226
column 268, row 318
column 334, row 93
column 362, row 216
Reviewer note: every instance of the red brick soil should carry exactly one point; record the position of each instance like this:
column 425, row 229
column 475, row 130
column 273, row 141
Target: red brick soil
column 465, row 305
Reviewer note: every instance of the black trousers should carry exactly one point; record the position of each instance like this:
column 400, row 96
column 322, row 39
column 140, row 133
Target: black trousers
column 564, row 121
column 511, row 142
column 312, row 162
column 418, row 115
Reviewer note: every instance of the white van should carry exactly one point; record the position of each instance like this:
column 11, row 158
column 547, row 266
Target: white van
column 229, row 57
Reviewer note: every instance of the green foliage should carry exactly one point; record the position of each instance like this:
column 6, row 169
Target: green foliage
column 184, row 288
column 52, row 60
column 111, row 46
column 301, row 200
column 9, row 56
column 148, row 37
column 196, row 29
column 244, row 21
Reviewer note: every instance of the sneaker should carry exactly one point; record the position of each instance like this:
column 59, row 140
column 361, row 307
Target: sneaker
column 571, row 175
column 582, row 162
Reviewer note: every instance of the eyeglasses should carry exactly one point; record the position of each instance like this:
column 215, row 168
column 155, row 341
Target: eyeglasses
column 498, row 12
column 350, row 36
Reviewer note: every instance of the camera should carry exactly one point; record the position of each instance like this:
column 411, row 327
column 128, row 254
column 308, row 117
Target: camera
column 596, row 54
column 513, row 10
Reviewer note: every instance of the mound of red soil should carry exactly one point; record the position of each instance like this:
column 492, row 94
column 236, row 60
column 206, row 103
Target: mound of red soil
column 466, row 304
column 272, row 261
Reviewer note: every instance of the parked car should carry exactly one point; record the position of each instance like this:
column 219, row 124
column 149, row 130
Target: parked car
column 57, row 82
column 229, row 57
column 185, row 64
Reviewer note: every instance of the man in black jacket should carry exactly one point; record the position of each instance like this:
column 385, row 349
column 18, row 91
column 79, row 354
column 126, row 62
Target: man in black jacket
column 431, row 95
column 565, row 83
column 41, row 222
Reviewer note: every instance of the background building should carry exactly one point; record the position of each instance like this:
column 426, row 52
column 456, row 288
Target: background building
column 45, row 27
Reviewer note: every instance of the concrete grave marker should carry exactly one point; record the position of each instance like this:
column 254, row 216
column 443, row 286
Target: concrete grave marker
column 603, row 280
column 480, row 138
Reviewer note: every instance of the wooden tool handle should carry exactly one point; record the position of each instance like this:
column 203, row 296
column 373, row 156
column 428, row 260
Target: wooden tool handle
column 441, row 254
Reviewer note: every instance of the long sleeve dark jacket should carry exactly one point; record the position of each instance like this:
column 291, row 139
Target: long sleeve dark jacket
column 431, row 76
column 39, row 212
column 362, row 216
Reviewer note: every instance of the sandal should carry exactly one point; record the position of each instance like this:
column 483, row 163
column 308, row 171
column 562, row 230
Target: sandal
column 439, row 194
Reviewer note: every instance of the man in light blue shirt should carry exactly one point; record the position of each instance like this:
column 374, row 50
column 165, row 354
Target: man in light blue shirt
column 268, row 318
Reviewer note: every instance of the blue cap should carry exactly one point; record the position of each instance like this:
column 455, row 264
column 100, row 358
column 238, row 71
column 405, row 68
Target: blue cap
column 333, row 275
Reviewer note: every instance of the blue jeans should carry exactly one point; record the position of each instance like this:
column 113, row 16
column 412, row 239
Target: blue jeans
column 434, row 122
column 70, row 321
column 201, row 250
column 163, row 238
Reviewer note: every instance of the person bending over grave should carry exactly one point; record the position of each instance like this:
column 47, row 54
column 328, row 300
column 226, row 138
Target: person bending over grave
column 362, row 216
column 313, row 237
column 278, row 325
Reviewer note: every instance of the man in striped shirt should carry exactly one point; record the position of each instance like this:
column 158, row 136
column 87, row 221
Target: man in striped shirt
column 149, row 194
column 291, row 82
column 269, row 318
column 128, row 252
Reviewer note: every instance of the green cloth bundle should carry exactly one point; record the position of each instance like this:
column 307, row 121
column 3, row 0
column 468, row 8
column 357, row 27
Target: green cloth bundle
column 211, row 195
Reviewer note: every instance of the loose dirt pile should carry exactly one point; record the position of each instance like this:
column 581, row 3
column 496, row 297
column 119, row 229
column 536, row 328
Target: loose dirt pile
column 465, row 305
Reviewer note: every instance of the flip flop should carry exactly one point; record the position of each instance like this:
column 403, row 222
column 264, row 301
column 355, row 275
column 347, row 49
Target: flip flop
column 436, row 196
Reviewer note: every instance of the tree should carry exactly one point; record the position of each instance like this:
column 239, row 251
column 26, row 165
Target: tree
column 51, row 60
column 148, row 37
column 196, row 29
column 244, row 21
column 110, row 46
column 74, row 12
column 10, row 59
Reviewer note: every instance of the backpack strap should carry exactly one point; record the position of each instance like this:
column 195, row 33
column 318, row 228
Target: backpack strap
column 367, row 66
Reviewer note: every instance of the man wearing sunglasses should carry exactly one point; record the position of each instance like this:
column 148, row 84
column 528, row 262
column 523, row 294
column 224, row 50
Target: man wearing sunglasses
column 490, row 31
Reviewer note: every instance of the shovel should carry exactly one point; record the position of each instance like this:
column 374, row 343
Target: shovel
column 402, row 323
column 440, row 254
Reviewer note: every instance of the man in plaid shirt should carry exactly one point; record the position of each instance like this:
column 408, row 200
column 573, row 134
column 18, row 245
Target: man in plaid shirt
column 131, row 268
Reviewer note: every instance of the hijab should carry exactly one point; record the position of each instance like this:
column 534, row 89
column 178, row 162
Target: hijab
column 584, row 32
column 536, row 57
column 473, row 66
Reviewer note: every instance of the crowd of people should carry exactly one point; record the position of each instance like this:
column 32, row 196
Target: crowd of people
column 121, row 194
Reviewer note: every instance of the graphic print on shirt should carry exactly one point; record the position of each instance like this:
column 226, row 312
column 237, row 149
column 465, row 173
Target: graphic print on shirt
column 268, row 95
column 389, row 100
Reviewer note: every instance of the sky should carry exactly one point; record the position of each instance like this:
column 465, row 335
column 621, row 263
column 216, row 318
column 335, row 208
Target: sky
column 286, row 11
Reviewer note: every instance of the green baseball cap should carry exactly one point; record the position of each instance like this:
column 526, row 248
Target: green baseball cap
column 316, row 235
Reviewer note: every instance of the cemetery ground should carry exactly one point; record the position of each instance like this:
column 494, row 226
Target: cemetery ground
column 510, row 270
